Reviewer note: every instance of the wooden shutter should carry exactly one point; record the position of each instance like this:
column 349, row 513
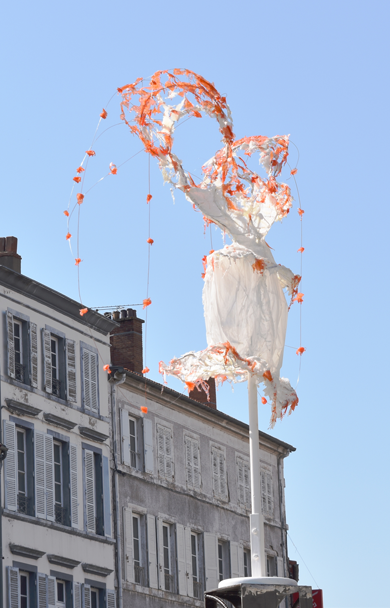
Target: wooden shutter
column 71, row 393
column 148, row 445
column 125, row 430
column 89, row 462
column 240, row 480
column 222, row 474
column 42, row 590
column 168, row 453
column 106, row 496
column 86, row 595
column 87, row 379
column 76, row 595
column 241, row 560
column 47, row 369
column 49, row 477
column 10, row 345
column 211, row 560
column 190, row 583
column 196, row 463
column 110, row 598
column 13, row 589
column 33, row 355
column 181, row 559
column 160, row 548
column 128, row 544
column 152, row 552
column 51, row 592
column 267, row 503
column 94, row 383
column 10, row 475
column 234, row 559
column 74, row 503
column 160, row 451
column 215, row 469
column 188, row 446
column 40, row 490
column 280, row 566
column 270, row 501
column 90, row 374
column 247, row 484
column 219, row 472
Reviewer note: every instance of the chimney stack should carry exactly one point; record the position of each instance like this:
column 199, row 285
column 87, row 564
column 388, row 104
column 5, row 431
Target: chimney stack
column 8, row 253
column 126, row 341
column 201, row 395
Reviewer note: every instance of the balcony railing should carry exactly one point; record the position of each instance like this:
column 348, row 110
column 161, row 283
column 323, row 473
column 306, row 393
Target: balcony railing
column 139, row 575
column 19, row 372
column 169, row 582
column 56, row 387
column 24, row 504
column 61, row 515
column 198, row 590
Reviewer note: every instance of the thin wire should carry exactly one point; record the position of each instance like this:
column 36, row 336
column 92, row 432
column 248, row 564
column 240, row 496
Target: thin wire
column 148, row 275
column 318, row 587
column 113, row 307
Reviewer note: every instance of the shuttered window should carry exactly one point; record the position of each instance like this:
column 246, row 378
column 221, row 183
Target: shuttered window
column 44, row 476
column 71, row 393
column 192, row 462
column 90, row 508
column 90, row 381
column 9, row 439
column 33, row 355
column 267, row 501
column 13, row 587
column 164, row 452
column 22, row 349
column 243, row 481
column 74, row 504
column 218, row 466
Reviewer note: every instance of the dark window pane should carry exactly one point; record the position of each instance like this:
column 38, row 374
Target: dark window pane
column 58, row 494
column 135, row 527
column 57, row 454
column 132, row 427
column 16, row 330
column 23, row 585
column 60, row 592
column 94, row 603
column 136, row 550
column 23, row 601
column 20, row 441
column 57, row 473
column 21, row 483
column 21, row 461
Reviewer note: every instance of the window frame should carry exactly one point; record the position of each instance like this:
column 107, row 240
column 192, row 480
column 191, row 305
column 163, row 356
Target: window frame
column 29, row 346
column 25, row 574
column 248, row 564
column 223, row 559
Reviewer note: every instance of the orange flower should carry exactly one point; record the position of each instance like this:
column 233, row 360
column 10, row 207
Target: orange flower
column 144, row 409
column 263, row 400
column 268, row 376
column 301, row 250
column 146, row 302
column 90, row 153
column 294, row 171
column 190, row 386
column 301, row 212
column 258, row 266
column 113, row 169
column 103, row 114
column 149, row 198
column 77, row 261
column 301, row 350
column 150, row 241
column 77, row 179
column 107, row 368
column 299, row 298
column 66, row 213
column 68, row 236
column 80, row 198
column 145, row 370
column 80, row 170
column 83, row 311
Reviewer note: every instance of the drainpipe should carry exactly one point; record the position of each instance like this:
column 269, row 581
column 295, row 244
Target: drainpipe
column 117, row 376
column 282, row 521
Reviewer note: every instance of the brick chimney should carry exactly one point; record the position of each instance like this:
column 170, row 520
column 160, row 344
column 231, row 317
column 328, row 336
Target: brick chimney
column 126, row 341
column 201, row 395
column 8, row 253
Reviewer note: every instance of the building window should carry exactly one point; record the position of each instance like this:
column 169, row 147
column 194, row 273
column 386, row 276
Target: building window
column 22, row 349
column 60, row 594
column 24, row 590
column 247, row 563
column 55, row 375
column 94, row 598
column 223, row 560
column 139, row 570
column 61, row 482
column 168, row 577
column 90, row 381
column 132, row 440
column 165, row 452
column 243, row 482
column 271, row 566
column 97, row 493
column 267, row 501
column 192, row 462
column 219, row 472
column 24, row 465
column 18, row 346
column 196, row 562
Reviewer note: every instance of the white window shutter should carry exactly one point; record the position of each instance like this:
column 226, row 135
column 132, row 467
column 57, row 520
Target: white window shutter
column 234, row 559
column 215, row 469
column 188, row 447
column 267, row 502
column 161, row 579
column 11, row 490
column 125, row 430
column 128, row 544
column 152, row 552
column 263, row 492
column 10, row 345
column 74, row 503
column 148, row 445
column 49, row 477
column 33, row 355
column 90, row 374
column 181, row 559
column 94, row 383
column 40, row 489
column 47, row 369
column 280, row 565
column 13, row 587
column 169, row 466
column 89, row 462
column 87, row 379
column 222, row 474
column 160, row 451
column 196, row 463
column 86, row 595
column 187, row 540
column 51, row 591
column 270, row 500
column 42, row 590
column 240, row 560
column 77, row 595
column 71, row 392
column 247, row 485
column 240, row 480
column 111, row 598
column 211, row 560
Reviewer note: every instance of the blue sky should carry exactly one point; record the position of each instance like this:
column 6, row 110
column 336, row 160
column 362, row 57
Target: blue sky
column 316, row 70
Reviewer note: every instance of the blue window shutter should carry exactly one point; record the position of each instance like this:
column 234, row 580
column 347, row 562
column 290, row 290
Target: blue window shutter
column 10, row 345
column 10, row 466
column 106, row 496
column 76, row 595
column 42, row 591
column 33, row 355
column 110, row 598
column 13, row 590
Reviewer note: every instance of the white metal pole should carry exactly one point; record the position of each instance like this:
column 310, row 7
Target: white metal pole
column 256, row 519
